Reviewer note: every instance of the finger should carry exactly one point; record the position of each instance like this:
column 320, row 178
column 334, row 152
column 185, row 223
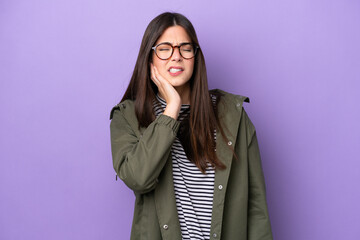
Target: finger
column 158, row 76
column 153, row 77
column 162, row 83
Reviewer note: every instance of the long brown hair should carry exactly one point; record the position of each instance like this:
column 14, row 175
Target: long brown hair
column 199, row 143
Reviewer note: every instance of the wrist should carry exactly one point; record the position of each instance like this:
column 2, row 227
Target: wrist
column 172, row 110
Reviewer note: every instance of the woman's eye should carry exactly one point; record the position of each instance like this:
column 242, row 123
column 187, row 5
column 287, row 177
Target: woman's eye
column 186, row 48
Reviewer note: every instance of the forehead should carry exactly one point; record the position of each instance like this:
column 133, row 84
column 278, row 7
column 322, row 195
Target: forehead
column 174, row 35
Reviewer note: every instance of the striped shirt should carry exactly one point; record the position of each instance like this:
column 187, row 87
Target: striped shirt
column 193, row 189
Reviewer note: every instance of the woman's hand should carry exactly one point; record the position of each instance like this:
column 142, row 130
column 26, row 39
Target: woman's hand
column 168, row 92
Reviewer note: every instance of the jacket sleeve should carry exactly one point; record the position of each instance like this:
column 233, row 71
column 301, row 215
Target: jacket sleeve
column 139, row 161
column 259, row 227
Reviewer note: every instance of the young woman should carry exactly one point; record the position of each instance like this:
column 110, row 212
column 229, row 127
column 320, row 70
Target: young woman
column 190, row 155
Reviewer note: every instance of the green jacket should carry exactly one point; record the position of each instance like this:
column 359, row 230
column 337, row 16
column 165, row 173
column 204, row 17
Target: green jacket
column 142, row 159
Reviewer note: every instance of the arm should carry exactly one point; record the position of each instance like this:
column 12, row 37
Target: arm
column 138, row 162
column 259, row 227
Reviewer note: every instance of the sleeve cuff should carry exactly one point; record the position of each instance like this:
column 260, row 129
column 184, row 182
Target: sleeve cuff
column 168, row 121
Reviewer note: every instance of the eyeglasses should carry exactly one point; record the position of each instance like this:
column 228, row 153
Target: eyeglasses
column 165, row 50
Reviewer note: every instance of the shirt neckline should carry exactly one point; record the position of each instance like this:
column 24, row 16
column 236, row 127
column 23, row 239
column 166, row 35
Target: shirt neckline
column 163, row 102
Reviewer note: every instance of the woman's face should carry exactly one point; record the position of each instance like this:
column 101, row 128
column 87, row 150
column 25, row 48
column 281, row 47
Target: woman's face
column 174, row 35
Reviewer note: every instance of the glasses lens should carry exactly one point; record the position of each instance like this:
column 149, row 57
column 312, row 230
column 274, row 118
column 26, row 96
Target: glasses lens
column 187, row 51
column 163, row 51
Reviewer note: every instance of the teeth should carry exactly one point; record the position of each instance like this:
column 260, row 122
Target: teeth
column 174, row 70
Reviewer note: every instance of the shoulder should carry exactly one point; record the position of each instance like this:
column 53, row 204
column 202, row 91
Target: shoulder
column 124, row 106
column 233, row 105
column 229, row 98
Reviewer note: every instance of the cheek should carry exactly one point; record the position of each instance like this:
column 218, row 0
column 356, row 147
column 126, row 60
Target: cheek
column 191, row 67
column 153, row 59
column 159, row 64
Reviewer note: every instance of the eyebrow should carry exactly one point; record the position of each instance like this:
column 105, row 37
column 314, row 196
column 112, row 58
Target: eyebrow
column 179, row 44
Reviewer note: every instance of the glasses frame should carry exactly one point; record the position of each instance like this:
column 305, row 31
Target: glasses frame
column 173, row 49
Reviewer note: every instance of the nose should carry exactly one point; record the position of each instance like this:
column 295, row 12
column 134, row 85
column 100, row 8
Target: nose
column 176, row 55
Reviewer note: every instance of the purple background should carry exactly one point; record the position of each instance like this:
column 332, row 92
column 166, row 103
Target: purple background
column 64, row 64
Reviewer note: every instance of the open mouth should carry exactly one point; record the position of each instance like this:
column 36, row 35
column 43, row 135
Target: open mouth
column 175, row 69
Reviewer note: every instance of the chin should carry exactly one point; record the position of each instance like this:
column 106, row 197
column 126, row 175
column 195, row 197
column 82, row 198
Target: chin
column 178, row 83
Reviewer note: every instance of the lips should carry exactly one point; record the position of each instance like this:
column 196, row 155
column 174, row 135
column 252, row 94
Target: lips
column 177, row 68
column 175, row 71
